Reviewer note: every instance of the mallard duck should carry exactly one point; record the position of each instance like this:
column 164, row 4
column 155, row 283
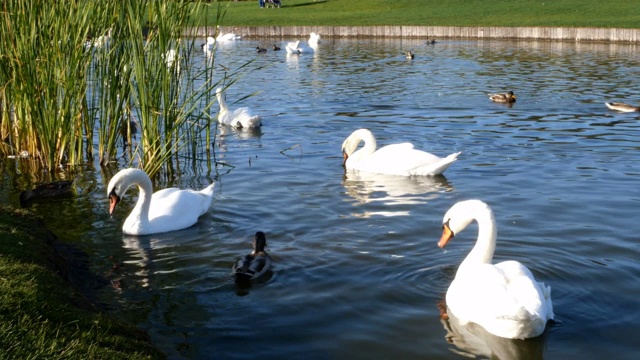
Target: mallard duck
column 507, row 97
column 253, row 265
column 622, row 107
column 396, row 159
column 504, row 298
column 56, row 189
column 163, row 211
column 276, row 48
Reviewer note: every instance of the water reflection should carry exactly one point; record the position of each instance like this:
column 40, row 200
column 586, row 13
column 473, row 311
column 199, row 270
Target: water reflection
column 473, row 340
column 292, row 59
column 148, row 256
column 246, row 133
column 363, row 283
column 139, row 252
column 392, row 190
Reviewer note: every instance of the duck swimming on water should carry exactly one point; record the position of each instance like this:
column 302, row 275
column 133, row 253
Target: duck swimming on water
column 52, row 190
column 622, row 107
column 253, row 265
column 507, row 97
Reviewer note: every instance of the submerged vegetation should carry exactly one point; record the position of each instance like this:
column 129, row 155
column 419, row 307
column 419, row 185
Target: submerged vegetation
column 80, row 78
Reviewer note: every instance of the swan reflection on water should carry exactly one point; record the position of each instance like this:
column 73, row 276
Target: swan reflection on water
column 139, row 251
column 392, row 190
column 243, row 134
column 144, row 252
column 472, row 340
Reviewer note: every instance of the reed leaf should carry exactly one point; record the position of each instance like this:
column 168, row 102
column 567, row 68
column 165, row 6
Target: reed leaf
column 80, row 76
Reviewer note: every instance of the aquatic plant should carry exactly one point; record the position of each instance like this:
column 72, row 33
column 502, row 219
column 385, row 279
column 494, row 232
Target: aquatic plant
column 80, row 72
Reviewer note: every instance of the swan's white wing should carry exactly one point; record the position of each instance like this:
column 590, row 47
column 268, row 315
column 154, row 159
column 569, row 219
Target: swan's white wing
column 178, row 204
column 503, row 298
column 522, row 285
column 164, row 193
column 225, row 117
column 403, row 159
column 245, row 118
column 305, row 48
column 228, row 37
column 292, row 47
column 435, row 167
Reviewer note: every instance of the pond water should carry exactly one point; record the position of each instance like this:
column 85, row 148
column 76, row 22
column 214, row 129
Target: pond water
column 357, row 273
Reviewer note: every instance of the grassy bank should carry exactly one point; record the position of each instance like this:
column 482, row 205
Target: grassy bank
column 43, row 314
column 556, row 13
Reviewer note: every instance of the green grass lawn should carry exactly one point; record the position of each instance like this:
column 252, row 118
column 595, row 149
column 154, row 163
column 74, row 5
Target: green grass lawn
column 556, row 13
column 42, row 314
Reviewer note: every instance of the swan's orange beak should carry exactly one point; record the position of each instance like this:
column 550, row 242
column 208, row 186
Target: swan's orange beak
column 113, row 201
column 447, row 235
column 345, row 156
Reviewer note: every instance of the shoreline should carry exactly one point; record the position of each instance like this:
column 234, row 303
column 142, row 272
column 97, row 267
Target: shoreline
column 50, row 304
column 614, row 35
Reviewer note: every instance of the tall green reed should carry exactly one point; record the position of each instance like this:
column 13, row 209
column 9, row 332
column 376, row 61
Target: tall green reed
column 42, row 74
column 59, row 93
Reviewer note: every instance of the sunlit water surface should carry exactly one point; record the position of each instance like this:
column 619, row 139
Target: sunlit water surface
column 357, row 273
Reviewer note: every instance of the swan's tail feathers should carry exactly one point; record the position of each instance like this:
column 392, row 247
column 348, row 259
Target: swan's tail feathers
column 248, row 123
column 209, row 189
column 453, row 157
column 439, row 167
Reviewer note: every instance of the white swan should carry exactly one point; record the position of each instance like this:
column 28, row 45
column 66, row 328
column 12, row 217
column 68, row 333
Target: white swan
column 173, row 63
column 297, row 47
column 292, row 47
column 254, row 265
column 397, row 159
column 314, row 40
column 504, row 298
column 242, row 118
column 207, row 47
column 165, row 210
column 226, row 37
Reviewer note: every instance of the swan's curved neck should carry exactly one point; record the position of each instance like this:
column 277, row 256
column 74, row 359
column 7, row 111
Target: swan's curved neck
column 221, row 101
column 141, row 210
column 482, row 252
column 369, row 144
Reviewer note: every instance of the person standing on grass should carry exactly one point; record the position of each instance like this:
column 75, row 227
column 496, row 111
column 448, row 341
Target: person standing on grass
column 261, row 2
